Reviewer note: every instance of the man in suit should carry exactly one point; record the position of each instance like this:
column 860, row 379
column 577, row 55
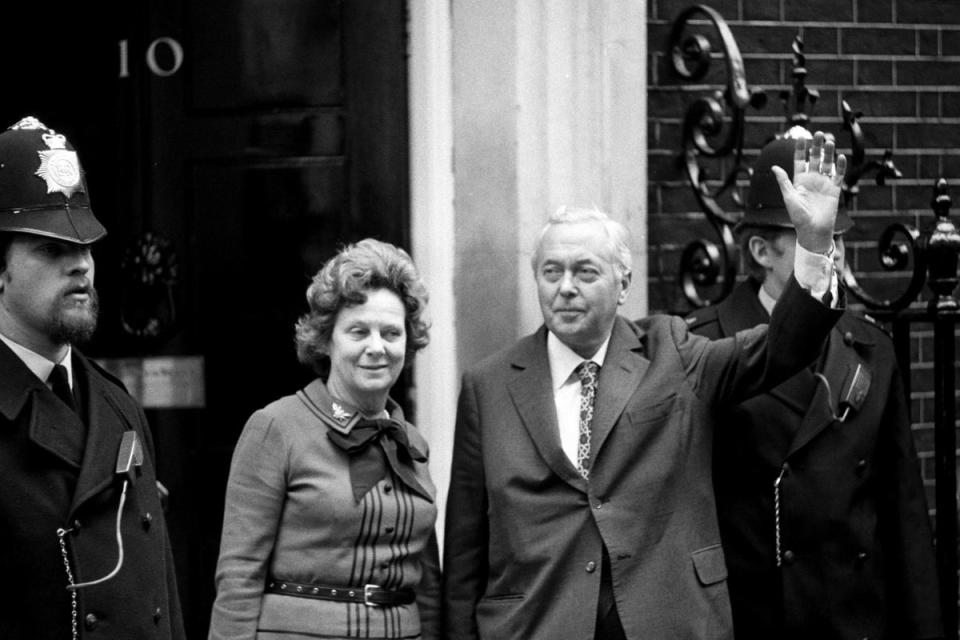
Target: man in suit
column 821, row 505
column 84, row 550
column 581, row 501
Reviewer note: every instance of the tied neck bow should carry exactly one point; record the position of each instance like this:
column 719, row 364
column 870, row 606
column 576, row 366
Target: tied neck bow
column 367, row 461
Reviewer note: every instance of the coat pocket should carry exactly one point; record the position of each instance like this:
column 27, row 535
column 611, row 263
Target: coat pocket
column 710, row 565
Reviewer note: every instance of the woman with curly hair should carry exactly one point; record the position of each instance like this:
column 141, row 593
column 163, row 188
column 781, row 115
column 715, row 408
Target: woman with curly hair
column 329, row 521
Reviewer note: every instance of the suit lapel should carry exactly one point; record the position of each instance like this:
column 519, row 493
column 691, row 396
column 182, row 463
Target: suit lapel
column 623, row 368
column 106, row 426
column 530, row 387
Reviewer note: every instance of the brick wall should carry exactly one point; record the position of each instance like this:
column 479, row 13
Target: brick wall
column 896, row 61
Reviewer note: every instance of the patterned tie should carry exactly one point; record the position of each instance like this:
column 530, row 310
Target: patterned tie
column 60, row 384
column 587, row 372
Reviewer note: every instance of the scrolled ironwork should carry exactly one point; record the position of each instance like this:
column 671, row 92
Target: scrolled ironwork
column 713, row 127
column 704, row 264
column 934, row 254
column 700, row 263
column 898, row 243
column 935, row 260
column 857, row 167
column 796, row 109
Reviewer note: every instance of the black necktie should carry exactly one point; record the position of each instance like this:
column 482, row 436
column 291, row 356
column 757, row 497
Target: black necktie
column 61, row 386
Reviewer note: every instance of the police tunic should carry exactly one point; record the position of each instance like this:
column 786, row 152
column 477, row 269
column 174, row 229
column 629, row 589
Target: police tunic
column 51, row 482
column 821, row 505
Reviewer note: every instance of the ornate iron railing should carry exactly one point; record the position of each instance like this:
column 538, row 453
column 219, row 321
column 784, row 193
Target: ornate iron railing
column 713, row 129
column 720, row 117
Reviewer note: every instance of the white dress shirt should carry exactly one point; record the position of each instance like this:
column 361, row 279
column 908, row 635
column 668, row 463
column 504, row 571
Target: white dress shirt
column 815, row 272
column 566, row 390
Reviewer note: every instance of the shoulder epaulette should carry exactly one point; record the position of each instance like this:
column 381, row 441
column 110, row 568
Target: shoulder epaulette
column 872, row 322
column 700, row 317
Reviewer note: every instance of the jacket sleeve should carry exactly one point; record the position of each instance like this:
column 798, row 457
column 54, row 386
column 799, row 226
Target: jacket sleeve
column 465, row 545
column 255, row 493
column 905, row 525
column 730, row 370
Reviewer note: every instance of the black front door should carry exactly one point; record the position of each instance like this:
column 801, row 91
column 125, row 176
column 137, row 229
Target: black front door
column 251, row 139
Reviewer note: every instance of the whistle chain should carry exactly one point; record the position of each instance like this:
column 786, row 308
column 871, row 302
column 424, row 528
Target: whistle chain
column 61, row 532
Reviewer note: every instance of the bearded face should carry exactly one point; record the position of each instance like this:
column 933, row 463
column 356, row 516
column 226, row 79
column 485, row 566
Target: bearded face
column 74, row 321
column 47, row 296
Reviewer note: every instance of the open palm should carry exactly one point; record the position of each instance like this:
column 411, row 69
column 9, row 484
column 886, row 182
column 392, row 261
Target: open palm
column 812, row 198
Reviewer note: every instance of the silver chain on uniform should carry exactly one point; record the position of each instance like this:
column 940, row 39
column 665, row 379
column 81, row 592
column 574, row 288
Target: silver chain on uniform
column 61, row 532
column 776, row 512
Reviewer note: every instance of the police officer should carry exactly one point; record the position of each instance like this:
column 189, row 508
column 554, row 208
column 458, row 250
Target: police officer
column 822, row 512
column 84, row 551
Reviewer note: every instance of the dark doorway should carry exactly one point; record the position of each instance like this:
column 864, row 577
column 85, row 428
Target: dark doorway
column 252, row 138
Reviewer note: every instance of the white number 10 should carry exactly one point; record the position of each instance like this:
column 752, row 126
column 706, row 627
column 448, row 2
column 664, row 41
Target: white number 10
column 176, row 50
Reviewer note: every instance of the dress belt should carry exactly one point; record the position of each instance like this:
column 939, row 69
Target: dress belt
column 371, row 595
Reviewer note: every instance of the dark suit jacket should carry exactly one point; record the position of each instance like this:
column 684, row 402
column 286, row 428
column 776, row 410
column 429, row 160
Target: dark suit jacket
column 855, row 536
column 43, row 488
column 524, row 531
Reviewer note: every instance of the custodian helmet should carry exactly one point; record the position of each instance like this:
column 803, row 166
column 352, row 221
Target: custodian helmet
column 765, row 206
column 42, row 187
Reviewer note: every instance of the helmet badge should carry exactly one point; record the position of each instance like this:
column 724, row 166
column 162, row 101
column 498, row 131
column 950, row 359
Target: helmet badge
column 28, row 123
column 59, row 167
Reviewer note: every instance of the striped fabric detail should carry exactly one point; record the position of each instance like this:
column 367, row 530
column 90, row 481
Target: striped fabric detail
column 387, row 572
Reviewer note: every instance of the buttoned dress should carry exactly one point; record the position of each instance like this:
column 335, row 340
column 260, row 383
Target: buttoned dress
column 848, row 509
column 291, row 515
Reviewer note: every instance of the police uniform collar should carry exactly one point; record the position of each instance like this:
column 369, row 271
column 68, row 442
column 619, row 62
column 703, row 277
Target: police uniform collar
column 742, row 308
column 19, row 381
column 855, row 330
column 39, row 365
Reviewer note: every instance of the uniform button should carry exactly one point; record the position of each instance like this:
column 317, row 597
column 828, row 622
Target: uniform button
column 861, row 466
column 90, row 622
column 862, row 556
column 598, row 505
column 387, row 488
column 785, row 468
column 76, row 527
column 788, row 557
column 389, row 530
column 591, row 567
column 146, row 520
column 156, row 616
column 384, row 566
column 848, row 339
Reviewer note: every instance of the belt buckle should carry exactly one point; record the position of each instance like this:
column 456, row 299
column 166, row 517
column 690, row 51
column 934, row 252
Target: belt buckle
column 367, row 592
